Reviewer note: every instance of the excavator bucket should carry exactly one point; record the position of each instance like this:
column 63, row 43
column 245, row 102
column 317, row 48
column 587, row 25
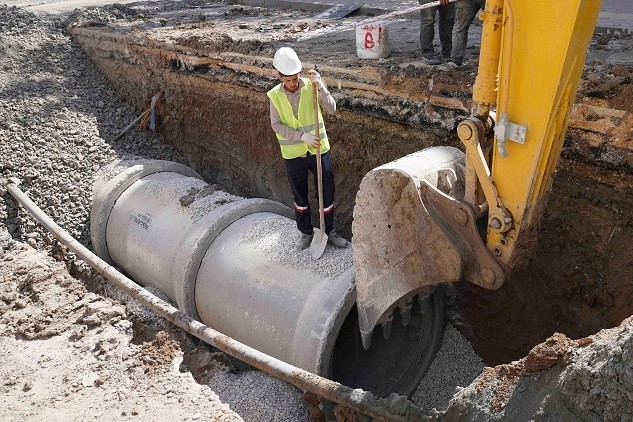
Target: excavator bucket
column 412, row 233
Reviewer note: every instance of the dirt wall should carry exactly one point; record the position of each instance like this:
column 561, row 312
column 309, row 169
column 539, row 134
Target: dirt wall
column 579, row 279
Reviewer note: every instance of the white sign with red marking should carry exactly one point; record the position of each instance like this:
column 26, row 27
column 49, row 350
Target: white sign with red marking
column 372, row 40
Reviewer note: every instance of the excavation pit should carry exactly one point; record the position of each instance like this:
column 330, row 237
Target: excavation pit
column 213, row 74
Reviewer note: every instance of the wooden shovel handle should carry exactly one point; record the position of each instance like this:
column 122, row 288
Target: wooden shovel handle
column 315, row 95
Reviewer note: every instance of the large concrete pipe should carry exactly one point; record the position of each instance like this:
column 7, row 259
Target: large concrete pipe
column 231, row 263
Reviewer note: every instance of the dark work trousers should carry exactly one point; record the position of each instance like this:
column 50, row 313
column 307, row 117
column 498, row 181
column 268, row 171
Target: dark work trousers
column 297, row 171
column 427, row 28
column 465, row 12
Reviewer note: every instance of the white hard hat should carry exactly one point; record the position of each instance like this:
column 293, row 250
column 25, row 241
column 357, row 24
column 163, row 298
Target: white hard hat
column 286, row 61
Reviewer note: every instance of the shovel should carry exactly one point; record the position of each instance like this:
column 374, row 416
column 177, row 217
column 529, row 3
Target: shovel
column 319, row 238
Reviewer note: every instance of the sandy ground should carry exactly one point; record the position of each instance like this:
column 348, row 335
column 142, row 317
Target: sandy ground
column 70, row 354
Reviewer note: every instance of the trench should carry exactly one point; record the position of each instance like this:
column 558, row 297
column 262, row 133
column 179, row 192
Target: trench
column 215, row 113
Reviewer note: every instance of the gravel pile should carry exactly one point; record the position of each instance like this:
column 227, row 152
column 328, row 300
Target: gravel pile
column 456, row 365
column 277, row 236
column 57, row 115
column 56, row 111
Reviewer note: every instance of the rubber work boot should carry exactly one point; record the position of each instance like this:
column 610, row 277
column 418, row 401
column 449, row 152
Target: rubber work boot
column 304, row 241
column 431, row 60
column 335, row 240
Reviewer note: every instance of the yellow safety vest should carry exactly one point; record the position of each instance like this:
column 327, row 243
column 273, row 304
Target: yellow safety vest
column 304, row 122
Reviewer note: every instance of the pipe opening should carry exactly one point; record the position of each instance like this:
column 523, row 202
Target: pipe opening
column 390, row 365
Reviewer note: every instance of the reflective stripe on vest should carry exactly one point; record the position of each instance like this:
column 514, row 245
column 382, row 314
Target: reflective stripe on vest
column 304, row 122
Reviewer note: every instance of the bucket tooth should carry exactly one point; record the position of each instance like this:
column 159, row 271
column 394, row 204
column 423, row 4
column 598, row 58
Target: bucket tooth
column 366, row 339
column 405, row 311
column 424, row 304
column 406, row 316
column 386, row 329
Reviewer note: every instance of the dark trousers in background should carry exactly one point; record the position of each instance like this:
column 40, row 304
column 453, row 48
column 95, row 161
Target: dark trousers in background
column 445, row 27
column 297, row 170
column 465, row 12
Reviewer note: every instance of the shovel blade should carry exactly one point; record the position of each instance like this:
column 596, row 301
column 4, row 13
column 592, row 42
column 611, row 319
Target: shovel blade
column 317, row 246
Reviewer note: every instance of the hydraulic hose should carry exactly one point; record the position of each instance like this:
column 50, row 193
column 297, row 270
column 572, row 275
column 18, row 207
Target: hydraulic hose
column 394, row 408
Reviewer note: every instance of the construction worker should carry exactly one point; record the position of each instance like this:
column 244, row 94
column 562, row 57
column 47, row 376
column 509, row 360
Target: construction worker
column 292, row 120
column 465, row 12
column 446, row 13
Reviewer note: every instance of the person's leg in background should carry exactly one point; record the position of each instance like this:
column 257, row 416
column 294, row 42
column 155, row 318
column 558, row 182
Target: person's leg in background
column 427, row 33
column 447, row 21
column 465, row 12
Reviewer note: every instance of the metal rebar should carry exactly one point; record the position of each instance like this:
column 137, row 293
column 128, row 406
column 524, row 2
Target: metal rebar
column 131, row 125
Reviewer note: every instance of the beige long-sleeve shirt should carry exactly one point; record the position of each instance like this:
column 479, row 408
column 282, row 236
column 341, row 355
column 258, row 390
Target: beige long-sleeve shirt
column 325, row 99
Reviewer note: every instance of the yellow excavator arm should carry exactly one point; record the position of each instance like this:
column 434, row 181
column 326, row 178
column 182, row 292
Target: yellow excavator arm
column 538, row 50
column 417, row 220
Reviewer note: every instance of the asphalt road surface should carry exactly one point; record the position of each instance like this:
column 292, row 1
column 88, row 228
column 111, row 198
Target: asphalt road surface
column 614, row 13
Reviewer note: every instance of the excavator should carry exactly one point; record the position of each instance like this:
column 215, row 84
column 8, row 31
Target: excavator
column 440, row 216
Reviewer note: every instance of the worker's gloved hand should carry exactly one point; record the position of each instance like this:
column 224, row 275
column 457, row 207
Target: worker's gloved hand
column 310, row 140
column 315, row 78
